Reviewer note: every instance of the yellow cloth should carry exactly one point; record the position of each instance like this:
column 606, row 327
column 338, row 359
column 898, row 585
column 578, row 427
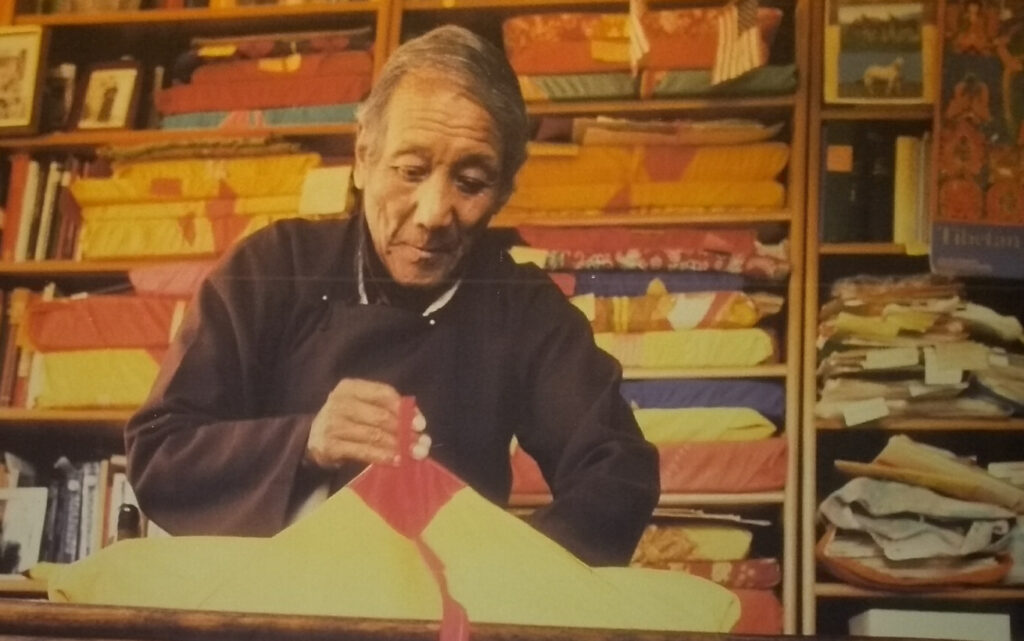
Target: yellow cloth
column 344, row 560
column 92, row 378
column 690, row 424
column 618, row 196
column 689, row 348
column 288, row 204
column 888, row 326
column 160, row 237
column 197, row 179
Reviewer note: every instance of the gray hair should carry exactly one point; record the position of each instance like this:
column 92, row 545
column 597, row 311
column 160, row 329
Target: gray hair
column 477, row 66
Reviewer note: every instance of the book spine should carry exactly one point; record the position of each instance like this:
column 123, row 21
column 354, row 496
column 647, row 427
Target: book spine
column 72, row 508
column 47, row 212
column 12, row 210
column 28, row 210
column 905, row 190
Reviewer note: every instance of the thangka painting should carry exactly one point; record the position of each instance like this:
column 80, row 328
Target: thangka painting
column 979, row 218
column 880, row 51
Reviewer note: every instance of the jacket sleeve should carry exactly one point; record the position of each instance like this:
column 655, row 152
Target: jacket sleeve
column 602, row 473
column 201, row 458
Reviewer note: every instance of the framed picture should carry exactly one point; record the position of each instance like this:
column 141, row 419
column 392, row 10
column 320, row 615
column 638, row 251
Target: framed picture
column 109, row 96
column 22, row 50
column 880, row 51
column 22, row 516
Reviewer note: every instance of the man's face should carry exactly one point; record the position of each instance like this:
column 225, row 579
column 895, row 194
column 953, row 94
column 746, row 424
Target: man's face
column 432, row 183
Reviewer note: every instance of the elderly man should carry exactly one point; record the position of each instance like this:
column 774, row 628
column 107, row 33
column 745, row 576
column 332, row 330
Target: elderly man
column 286, row 375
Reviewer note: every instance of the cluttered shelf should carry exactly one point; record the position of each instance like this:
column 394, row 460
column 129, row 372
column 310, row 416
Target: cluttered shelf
column 934, row 424
column 437, row 5
column 88, row 139
column 153, row 16
column 845, row 591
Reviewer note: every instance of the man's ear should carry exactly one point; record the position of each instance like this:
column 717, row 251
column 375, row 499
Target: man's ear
column 362, row 154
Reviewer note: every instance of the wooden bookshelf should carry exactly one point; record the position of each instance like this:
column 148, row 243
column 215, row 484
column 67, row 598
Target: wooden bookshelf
column 11, row 587
column 930, row 424
column 845, row 591
column 862, row 249
column 79, row 268
column 662, row 105
column 910, row 112
column 93, row 417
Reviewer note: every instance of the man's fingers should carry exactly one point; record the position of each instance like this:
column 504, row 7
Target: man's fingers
column 364, row 434
column 380, row 394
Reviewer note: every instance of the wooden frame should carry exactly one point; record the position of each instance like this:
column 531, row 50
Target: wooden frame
column 108, row 96
column 22, row 71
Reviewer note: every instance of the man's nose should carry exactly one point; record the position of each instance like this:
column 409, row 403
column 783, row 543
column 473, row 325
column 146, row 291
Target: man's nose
column 435, row 203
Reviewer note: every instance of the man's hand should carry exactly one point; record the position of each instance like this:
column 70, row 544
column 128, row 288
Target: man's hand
column 358, row 422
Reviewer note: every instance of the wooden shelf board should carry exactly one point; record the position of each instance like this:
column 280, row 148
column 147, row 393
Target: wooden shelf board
column 844, row 249
column 929, row 424
column 669, row 500
column 155, row 16
column 437, row 5
column 683, row 216
column 22, row 587
column 55, row 417
column 877, row 112
column 762, row 371
column 658, row 105
column 844, row 591
column 78, row 139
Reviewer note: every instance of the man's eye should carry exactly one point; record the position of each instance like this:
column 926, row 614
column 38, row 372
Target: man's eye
column 471, row 185
column 410, row 173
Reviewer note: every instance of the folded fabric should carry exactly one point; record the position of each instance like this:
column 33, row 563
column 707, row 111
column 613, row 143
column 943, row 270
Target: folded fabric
column 689, row 38
column 640, row 199
column 93, row 378
column 896, row 289
column 663, row 426
column 550, row 164
column 695, row 348
column 700, row 467
column 907, row 522
column 723, row 467
column 197, row 236
column 760, row 612
column 315, row 64
column 604, row 130
column 615, row 85
column 184, row 179
column 97, row 322
column 608, row 283
column 661, row 544
column 180, row 280
column 262, row 118
column 728, row 250
column 747, row 574
column 770, row 80
column 767, row 397
column 463, row 560
column 286, row 91
column 850, row 557
column 563, row 43
column 653, row 312
column 272, row 205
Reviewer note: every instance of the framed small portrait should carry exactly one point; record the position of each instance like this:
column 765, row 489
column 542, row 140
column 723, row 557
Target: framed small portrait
column 22, row 50
column 109, row 96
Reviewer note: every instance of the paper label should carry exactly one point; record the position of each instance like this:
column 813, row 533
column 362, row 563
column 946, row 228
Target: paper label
column 839, row 158
column 525, row 255
column 963, row 355
column 870, row 409
column 936, row 374
column 891, row 358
